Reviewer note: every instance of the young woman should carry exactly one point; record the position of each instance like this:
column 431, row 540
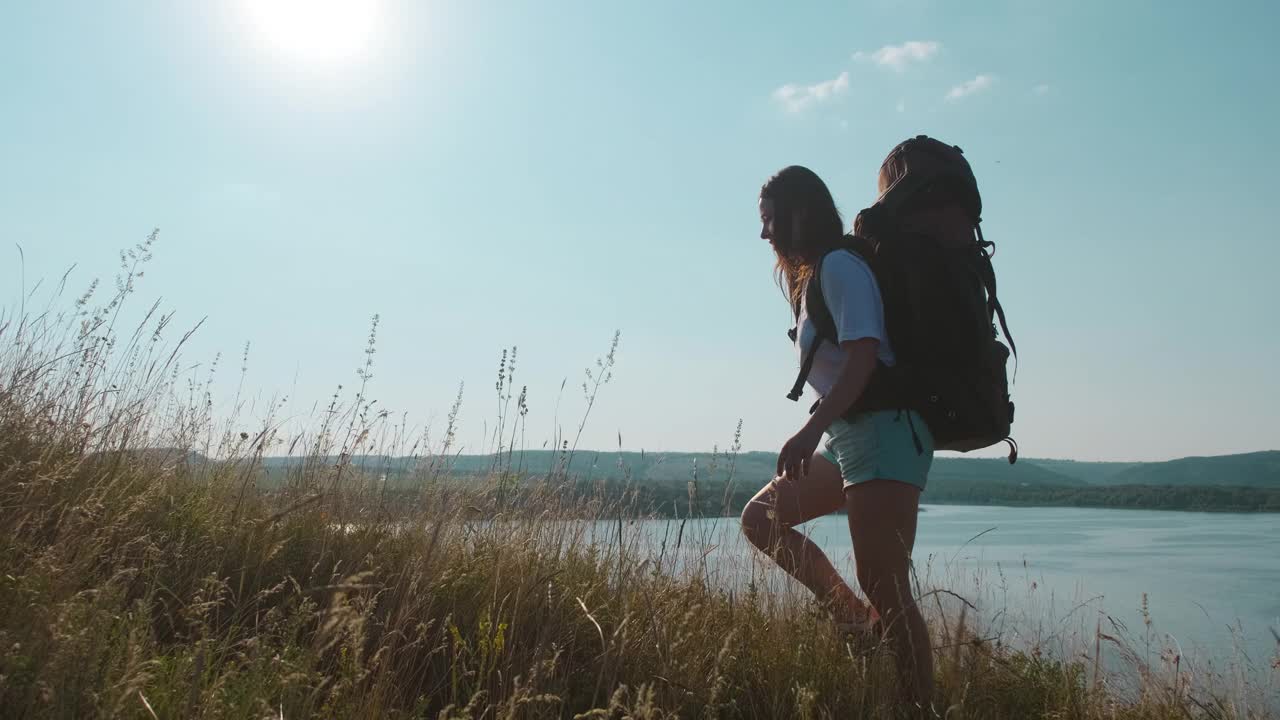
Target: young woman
column 873, row 465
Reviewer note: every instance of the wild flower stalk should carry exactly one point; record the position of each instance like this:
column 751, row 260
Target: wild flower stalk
column 591, row 389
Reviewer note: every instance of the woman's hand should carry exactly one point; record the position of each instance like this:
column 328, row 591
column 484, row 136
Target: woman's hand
column 859, row 361
column 793, row 461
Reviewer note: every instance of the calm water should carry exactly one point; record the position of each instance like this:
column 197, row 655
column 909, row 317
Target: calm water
column 1212, row 580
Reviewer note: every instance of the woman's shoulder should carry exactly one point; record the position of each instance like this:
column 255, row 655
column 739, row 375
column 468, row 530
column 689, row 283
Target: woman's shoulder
column 846, row 278
column 845, row 263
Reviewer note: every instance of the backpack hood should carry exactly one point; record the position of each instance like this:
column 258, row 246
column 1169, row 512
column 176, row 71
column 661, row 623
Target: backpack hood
column 922, row 162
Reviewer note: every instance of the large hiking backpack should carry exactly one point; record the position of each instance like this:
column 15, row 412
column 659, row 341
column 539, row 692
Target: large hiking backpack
column 940, row 308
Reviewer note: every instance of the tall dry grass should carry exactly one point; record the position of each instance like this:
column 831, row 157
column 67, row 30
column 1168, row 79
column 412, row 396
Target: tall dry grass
column 147, row 573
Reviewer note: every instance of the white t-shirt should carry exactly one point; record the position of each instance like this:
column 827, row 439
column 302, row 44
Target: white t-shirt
column 853, row 297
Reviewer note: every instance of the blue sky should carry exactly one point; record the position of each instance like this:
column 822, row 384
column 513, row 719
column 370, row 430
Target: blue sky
column 540, row 174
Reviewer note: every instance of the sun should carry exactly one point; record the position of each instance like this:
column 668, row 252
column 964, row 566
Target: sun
column 315, row 30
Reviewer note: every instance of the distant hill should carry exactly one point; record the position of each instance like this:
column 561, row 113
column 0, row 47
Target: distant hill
column 1249, row 482
column 1260, row 469
column 1094, row 473
column 758, row 467
column 679, row 467
column 999, row 471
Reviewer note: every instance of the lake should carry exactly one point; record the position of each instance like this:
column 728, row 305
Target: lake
column 1052, row 575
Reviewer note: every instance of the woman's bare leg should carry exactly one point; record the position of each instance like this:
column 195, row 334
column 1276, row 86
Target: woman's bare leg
column 882, row 524
column 769, row 521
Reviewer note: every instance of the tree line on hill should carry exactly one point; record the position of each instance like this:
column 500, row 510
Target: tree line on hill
column 708, row 484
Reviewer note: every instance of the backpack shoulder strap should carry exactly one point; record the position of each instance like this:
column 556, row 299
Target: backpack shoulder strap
column 806, row 366
column 816, row 302
column 818, row 312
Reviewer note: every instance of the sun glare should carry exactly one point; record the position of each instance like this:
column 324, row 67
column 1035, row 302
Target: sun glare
column 315, row 30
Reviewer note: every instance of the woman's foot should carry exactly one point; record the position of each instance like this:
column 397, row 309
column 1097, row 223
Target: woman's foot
column 866, row 627
column 855, row 618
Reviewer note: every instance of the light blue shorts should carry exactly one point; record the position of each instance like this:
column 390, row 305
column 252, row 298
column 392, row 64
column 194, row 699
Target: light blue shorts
column 881, row 446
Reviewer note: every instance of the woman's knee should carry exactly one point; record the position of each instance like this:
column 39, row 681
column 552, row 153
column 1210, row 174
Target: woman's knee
column 758, row 521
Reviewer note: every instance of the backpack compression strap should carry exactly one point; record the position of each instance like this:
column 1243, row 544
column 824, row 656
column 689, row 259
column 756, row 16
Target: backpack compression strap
column 989, row 279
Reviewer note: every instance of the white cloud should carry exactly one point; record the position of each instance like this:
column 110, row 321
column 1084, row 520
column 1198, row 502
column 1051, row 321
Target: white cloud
column 898, row 57
column 796, row 98
column 969, row 87
column 902, row 106
column 1041, row 89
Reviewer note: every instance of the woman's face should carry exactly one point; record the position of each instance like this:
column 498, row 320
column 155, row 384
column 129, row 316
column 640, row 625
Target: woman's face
column 780, row 233
column 767, row 228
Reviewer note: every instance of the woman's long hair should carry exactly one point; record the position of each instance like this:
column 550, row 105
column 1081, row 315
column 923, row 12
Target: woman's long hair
column 798, row 193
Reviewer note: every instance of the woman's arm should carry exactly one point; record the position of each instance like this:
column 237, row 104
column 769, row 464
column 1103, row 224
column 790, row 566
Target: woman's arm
column 859, row 362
